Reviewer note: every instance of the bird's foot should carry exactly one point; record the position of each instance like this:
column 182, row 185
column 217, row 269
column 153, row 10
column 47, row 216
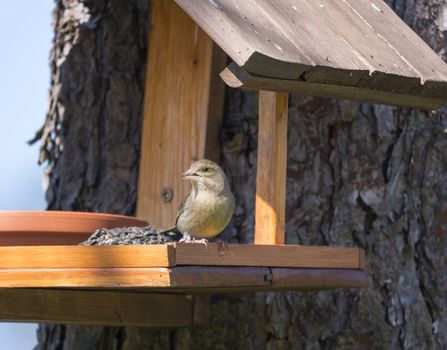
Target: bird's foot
column 187, row 238
column 200, row 241
column 222, row 246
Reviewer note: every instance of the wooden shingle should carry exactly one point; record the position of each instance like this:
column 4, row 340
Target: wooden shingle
column 352, row 49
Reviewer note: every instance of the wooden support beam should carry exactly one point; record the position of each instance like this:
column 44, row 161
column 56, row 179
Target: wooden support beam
column 89, row 307
column 271, row 168
column 237, row 77
column 181, row 61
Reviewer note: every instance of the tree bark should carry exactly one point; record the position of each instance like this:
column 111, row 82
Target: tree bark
column 358, row 175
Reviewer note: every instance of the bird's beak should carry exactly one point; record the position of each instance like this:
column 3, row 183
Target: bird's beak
column 190, row 175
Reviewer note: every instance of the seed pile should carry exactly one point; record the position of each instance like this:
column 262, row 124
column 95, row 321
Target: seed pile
column 131, row 235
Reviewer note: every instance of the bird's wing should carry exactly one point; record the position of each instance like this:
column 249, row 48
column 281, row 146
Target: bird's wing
column 180, row 211
column 169, row 230
column 181, row 208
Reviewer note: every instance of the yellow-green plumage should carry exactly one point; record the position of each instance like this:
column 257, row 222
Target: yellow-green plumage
column 208, row 208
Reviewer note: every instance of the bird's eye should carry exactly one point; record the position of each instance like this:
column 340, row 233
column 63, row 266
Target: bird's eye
column 206, row 169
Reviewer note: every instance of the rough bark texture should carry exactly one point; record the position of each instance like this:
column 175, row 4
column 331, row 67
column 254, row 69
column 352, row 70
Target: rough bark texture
column 358, row 175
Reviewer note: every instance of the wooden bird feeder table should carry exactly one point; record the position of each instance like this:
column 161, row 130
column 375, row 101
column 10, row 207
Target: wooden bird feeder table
column 353, row 49
column 158, row 285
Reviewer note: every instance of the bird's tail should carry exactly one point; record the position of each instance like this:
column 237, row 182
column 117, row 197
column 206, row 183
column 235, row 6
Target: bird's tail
column 172, row 229
column 171, row 235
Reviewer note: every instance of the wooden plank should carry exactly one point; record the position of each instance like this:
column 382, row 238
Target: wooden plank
column 86, row 278
column 96, row 308
column 287, row 279
column 236, row 77
column 126, row 258
column 176, row 109
column 191, row 277
column 183, row 279
column 198, row 277
column 271, row 168
column 317, row 279
column 268, row 255
column 397, row 33
column 353, row 35
column 160, row 255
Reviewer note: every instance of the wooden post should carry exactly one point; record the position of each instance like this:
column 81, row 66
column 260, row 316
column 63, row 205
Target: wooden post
column 271, row 168
column 183, row 107
column 178, row 106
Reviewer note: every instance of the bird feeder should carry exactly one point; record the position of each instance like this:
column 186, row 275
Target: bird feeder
column 353, row 49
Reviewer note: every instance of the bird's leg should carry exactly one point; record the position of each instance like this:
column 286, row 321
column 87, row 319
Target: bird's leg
column 222, row 246
column 186, row 238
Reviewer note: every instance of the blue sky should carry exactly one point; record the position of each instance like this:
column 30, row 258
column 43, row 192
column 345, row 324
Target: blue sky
column 25, row 41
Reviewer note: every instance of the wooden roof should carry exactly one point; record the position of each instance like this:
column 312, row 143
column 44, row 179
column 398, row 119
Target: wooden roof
column 353, row 49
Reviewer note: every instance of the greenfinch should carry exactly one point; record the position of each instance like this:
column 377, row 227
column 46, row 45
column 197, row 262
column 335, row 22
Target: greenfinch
column 208, row 208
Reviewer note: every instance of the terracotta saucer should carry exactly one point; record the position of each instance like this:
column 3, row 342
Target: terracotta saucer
column 56, row 227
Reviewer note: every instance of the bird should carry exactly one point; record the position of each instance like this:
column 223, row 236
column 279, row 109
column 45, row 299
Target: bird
column 207, row 209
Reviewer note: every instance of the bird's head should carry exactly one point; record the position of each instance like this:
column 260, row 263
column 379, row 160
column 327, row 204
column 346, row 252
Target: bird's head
column 205, row 174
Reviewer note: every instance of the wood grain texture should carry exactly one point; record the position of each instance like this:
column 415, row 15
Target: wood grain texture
column 176, row 107
column 356, row 43
column 196, row 278
column 271, row 168
column 182, row 279
column 120, row 258
column 96, row 308
column 268, row 255
column 86, row 278
column 236, row 77
column 54, row 257
column 187, row 278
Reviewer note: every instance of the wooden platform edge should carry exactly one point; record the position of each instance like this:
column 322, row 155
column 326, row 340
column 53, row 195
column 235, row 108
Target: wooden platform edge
column 281, row 255
column 54, row 257
column 258, row 279
column 183, row 279
column 236, row 77
column 103, row 278
column 178, row 254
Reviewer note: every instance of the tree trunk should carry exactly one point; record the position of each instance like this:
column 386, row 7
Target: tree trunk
column 358, row 175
